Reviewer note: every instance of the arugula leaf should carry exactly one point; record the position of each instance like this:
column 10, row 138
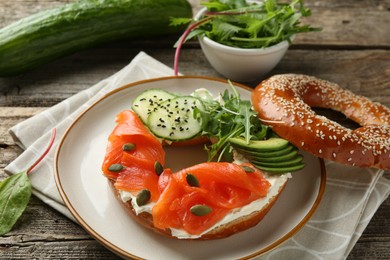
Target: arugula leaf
column 226, row 117
column 215, row 5
column 221, row 5
column 15, row 193
column 271, row 6
column 245, row 110
column 223, row 29
column 240, row 24
column 178, row 21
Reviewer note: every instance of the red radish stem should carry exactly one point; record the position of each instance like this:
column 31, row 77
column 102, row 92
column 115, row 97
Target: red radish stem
column 53, row 135
column 181, row 42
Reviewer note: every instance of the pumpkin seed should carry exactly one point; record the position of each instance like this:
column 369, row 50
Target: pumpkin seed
column 128, row 147
column 200, row 210
column 247, row 169
column 192, row 180
column 158, row 168
column 143, row 197
column 116, row 167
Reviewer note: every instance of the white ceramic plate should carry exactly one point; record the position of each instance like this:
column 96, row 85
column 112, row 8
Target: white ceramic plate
column 87, row 194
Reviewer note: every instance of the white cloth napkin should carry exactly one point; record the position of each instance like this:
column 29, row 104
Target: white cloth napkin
column 351, row 198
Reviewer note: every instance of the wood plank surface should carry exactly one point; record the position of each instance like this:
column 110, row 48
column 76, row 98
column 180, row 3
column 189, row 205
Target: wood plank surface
column 364, row 72
column 353, row 49
column 344, row 23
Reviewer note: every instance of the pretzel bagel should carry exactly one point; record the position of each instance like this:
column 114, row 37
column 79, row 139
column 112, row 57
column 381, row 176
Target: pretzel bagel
column 284, row 102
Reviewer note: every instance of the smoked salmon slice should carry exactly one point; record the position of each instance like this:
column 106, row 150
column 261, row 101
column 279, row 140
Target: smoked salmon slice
column 222, row 187
column 138, row 162
column 134, row 179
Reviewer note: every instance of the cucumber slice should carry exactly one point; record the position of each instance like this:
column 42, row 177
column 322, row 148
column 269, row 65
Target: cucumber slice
column 173, row 119
column 148, row 101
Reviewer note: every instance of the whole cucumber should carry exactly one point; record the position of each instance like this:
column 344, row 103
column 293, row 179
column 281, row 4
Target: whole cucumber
column 48, row 35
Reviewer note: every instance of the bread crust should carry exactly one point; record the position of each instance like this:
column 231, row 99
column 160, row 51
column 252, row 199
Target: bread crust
column 222, row 231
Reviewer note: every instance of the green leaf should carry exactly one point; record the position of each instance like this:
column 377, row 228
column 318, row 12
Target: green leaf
column 270, row 5
column 228, row 116
column 222, row 5
column 179, row 21
column 215, row 6
column 223, row 30
column 245, row 110
column 240, row 24
column 15, row 193
column 194, row 33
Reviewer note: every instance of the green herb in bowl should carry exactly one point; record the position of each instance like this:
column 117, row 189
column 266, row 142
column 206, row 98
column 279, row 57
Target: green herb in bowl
column 245, row 25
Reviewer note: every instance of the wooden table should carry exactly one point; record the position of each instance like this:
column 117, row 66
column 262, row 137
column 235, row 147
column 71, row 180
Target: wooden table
column 353, row 49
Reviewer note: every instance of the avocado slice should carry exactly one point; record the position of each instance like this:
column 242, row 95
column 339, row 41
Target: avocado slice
column 280, row 170
column 256, row 154
column 277, row 159
column 272, row 144
column 274, row 155
column 295, row 161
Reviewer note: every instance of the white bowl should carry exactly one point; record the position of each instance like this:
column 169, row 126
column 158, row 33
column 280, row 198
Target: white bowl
column 241, row 64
